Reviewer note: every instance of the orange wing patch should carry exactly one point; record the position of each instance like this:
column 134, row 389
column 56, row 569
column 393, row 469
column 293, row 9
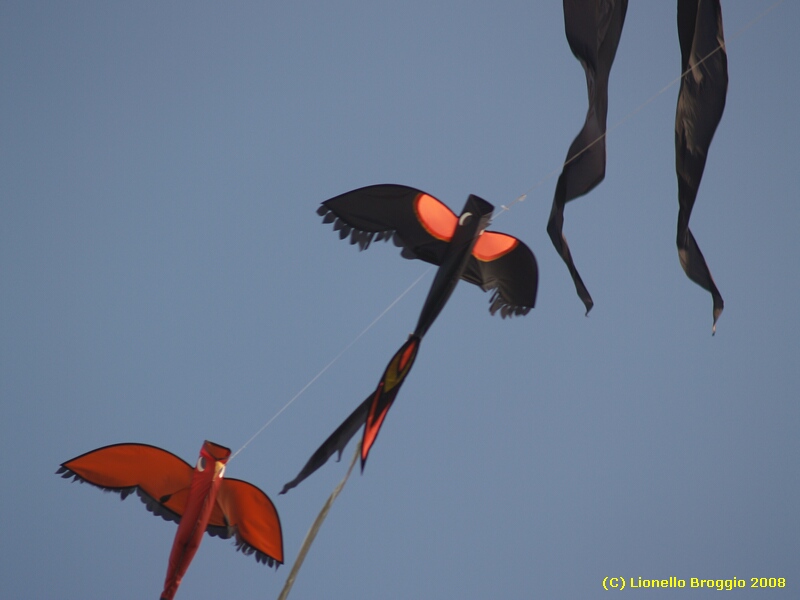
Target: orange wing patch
column 435, row 217
column 492, row 245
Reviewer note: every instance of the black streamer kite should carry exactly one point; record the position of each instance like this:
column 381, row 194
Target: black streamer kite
column 593, row 29
column 701, row 101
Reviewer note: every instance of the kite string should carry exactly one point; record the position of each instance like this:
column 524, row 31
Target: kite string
column 638, row 109
column 331, row 363
column 314, row 529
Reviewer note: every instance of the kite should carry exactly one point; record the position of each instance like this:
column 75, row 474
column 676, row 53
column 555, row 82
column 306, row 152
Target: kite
column 198, row 498
column 593, row 30
column 701, row 101
column 460, row 246
column 593, row 33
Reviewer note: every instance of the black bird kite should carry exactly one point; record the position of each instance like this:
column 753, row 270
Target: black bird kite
column 462, row 249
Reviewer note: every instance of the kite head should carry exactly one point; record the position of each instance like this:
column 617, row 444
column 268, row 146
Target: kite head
column 212, row 460
column 476, row 215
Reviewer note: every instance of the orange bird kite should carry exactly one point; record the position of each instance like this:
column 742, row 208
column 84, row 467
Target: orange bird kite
column 198, row 498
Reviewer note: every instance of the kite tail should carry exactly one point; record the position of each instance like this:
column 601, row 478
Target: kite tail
column 315, row 526
column 701, row 102
column 388, row 387
column 593, row 33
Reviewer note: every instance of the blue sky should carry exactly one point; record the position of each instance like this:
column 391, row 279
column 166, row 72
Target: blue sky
column 164, row 279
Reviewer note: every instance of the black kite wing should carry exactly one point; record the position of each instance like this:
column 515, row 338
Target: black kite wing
column 424, row 226
column 503, row 263
column 418, row 222
column 701, row 101
column 593, row 31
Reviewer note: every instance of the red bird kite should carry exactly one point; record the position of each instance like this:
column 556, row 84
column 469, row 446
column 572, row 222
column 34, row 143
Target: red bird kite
column 198, row 498
column 462, row 249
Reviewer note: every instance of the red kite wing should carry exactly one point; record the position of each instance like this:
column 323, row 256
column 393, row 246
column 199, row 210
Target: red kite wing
column 160, row 478
column 249, row 515
column 418, row 222
column 502, row 263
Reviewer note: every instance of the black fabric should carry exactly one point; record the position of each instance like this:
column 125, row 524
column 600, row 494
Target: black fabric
column 386, row 211
column 701, row 102
column 593, row 29
column 383, row 212
column 336, row 442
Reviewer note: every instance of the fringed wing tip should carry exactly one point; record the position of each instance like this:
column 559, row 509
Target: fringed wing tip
column 151, row 504
column 498, row 303
column 248, row 550
column 155, row 507
column 229, row 532
column 69, row 474
column 357, row 236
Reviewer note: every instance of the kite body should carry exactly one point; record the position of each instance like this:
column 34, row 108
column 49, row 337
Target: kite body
column 199, row 499
column 460, row 246
column 203, row 488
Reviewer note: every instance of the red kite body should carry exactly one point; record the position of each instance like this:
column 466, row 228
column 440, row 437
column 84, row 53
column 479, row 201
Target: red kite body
column 199, row 499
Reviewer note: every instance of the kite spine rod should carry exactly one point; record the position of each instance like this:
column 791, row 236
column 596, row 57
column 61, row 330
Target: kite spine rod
column 331, row 363
column 638, row 109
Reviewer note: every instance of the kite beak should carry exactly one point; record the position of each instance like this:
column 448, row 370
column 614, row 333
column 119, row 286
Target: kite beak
column 219, row 469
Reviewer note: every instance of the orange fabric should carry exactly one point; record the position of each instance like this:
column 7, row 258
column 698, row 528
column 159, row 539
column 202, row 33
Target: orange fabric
column 435, row 217
column 399, row 366
column 254, row 516
column 205, row 483
column 397, row 369
column 492, row 245
column 373, row 424
column 199, row 496
column 216, row 451
column 406, row 356
column 159, row 473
